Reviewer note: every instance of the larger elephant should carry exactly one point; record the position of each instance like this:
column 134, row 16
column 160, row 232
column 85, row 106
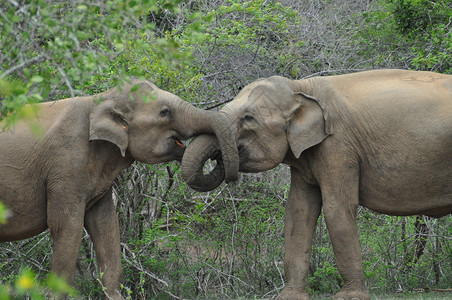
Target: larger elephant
column 61, row 179
column 381, row 139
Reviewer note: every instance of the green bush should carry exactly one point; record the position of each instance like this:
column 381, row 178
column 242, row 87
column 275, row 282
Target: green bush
column 415, row 32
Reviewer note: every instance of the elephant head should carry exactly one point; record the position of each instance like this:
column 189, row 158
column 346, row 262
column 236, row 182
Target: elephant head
column 148, row 124
column 269, row 117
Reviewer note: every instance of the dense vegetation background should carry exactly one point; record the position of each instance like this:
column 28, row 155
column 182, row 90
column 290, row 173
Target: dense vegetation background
column 227, row 243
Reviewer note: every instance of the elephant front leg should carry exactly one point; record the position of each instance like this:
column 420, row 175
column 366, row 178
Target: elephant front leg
column 66, row 230
column 340, row 202
column 102, row 225
column 301, row 214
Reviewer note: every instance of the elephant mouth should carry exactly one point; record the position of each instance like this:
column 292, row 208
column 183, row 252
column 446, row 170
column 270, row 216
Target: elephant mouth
column 177, row 146
column 243, row 155
column 246, row 165
column 178, row 142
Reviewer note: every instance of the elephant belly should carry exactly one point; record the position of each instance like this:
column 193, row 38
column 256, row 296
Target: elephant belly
column 404, row 193
column 22, row 227
column 408, row 172
column 26, row 212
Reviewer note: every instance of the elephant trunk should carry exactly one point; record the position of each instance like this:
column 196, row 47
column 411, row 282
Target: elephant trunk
column 201, row 149
column 228, row 161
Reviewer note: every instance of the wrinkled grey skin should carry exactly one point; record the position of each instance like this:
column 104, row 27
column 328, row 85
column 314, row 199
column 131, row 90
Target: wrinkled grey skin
column 381, row 139
column 62, row 179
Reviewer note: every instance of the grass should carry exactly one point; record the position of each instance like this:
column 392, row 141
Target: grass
column 405, row 295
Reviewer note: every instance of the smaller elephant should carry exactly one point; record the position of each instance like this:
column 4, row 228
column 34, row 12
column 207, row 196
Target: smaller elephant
column 62, row 178
column 381, row 139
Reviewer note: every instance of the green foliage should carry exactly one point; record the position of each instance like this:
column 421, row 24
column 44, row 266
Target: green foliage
column 398, row 257
column 227, row 243
column 3, row 213
column 416, row 32
column 426, row 23
column 417, row 16
column 250, row 23
column 55, row 49
column 26, row 284
column 236, row 39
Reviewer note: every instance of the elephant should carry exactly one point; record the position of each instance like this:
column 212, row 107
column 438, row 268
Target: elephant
column 381, row 139
column 61, row 178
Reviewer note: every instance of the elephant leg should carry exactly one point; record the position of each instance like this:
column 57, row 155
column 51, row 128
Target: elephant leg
column 340, row 195
column 301, row 214
column 101, row 222
column 66, row 227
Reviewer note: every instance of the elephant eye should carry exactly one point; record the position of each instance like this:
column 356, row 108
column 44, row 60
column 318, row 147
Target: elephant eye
column 165, row 112
column 246, row 118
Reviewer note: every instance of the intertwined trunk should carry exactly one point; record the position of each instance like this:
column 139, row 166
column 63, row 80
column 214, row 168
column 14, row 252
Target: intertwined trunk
column 200, row 150
column 221, row 146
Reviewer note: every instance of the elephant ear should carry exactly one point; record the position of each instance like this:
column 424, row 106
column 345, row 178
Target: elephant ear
column 308, row 124
column 108, row 123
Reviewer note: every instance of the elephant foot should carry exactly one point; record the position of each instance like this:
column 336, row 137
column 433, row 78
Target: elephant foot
column 113, row 295
column 290, row 293
column 360, row 294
